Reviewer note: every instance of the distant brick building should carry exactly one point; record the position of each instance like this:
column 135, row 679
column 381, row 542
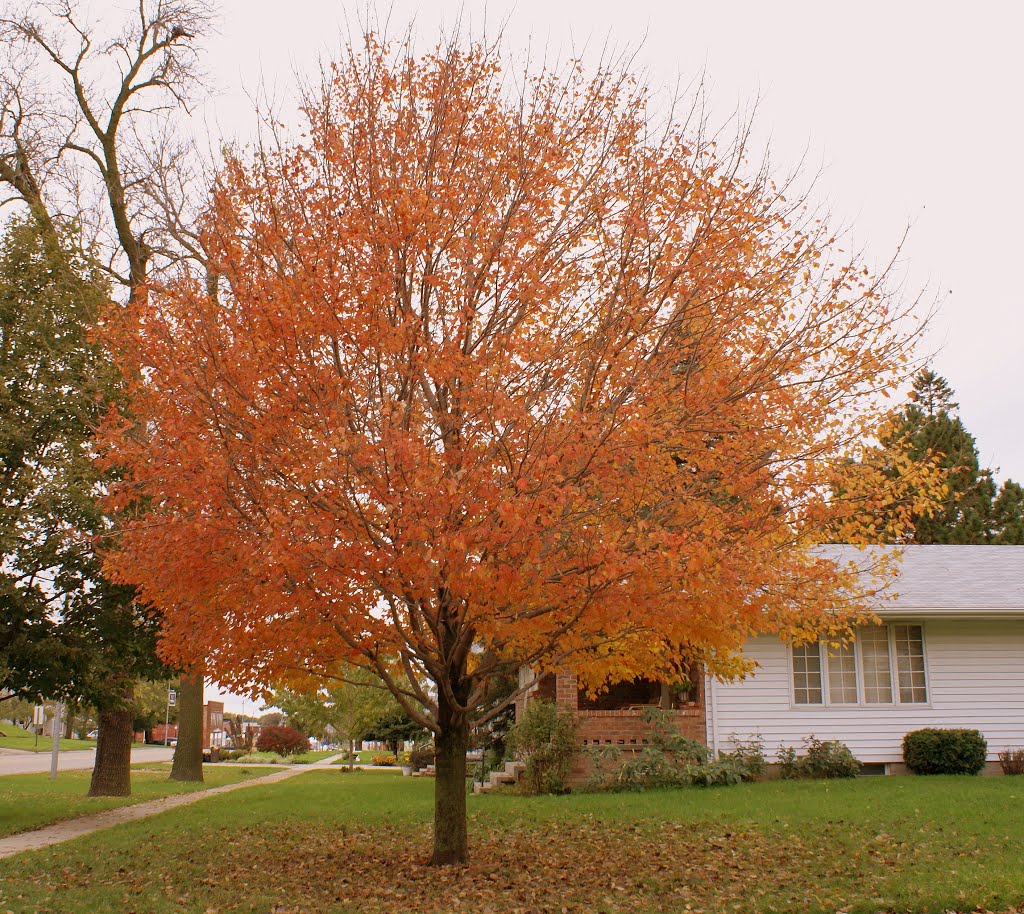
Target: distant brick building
column 160, row 734
column 214, row 733
column 213, row 724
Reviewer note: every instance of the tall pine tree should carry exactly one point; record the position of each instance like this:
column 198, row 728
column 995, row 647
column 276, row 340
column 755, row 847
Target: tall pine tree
column 1008, row 515
column 973, row 510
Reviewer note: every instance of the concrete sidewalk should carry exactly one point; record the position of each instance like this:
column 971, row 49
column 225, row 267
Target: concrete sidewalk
column 85, row 825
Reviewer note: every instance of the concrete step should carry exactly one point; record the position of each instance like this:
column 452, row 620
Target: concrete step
column 508, row 775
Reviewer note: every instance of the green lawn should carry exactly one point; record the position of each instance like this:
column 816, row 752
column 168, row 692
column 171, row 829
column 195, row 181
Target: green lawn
column 314, row 755
column 32, row 800
column 271, row 758
column 364, row 757
column 339, row 843
column 17, row 738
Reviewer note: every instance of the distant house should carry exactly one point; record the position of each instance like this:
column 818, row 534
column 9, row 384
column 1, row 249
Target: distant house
column 949, row 652
column 214, row 733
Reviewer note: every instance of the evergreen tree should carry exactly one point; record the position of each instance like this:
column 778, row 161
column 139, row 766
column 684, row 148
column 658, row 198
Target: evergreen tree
column 971, row 512
column 1008, row 515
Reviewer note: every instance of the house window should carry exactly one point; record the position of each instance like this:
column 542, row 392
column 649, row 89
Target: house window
column 883, row 665
column 910, row 662
column 842, row 675
column 807, row 688
column 874, row 652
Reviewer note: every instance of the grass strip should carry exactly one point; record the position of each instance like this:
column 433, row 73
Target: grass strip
column 356, row 843
column 29, row 801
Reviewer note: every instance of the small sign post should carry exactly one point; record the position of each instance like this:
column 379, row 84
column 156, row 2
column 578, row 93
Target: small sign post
column 58, row 722
column 38, row 719
column 172, row 698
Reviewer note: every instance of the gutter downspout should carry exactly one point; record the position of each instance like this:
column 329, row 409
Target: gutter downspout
column 712, row 727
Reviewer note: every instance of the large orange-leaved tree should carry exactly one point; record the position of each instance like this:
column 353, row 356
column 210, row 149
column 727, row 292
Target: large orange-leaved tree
column 505, row 369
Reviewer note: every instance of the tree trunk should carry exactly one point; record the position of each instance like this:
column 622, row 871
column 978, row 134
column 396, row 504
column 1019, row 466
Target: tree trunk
column 351, row 755
column 111, row 774
column 451, row 743
column 69, row 725
column 188, row 753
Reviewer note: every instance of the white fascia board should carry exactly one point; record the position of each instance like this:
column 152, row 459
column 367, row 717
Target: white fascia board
column 890, row 613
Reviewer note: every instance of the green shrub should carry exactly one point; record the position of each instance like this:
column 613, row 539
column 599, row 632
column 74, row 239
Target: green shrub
column 829, row 759
column 663, row 735
column 257, row 758
column 421, row 757
column 821, row 759
column 546, row 741
column 944, row 751
column 723, row 773
column 617, row 769
column 789, row 763
column 671, row 760
column 748, row 758
column 605, row 762
column 1012, row 761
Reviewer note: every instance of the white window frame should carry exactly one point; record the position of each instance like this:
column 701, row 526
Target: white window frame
column 826, row 701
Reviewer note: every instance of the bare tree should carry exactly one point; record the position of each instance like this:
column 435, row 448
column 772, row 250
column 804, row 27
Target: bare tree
column 86, row 122
column 92, row 118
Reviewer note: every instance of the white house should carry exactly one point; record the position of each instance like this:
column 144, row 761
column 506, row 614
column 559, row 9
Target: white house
column 949, row 653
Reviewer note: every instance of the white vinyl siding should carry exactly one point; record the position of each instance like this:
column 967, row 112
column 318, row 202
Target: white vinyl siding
column 975, row 678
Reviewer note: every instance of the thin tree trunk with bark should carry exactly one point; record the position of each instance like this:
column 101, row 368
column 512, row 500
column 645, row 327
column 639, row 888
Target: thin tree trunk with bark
column 188, row 753
column 451, row 744
column 111, row 773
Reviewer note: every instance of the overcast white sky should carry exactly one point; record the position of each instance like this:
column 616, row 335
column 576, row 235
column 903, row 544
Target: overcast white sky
column 912, row 109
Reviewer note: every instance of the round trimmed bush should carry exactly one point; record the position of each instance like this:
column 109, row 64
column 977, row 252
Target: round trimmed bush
column 944, row 751
column 282, row 740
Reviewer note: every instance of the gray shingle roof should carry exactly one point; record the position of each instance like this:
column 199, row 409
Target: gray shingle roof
column 949, row 577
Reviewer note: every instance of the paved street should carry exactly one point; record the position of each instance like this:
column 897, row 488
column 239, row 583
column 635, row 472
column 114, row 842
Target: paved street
column 13, row 761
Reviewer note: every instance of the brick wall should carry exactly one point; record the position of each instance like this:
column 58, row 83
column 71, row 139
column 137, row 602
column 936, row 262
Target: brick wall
column 624, row 729
column 566, row 691
column 628, row 729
